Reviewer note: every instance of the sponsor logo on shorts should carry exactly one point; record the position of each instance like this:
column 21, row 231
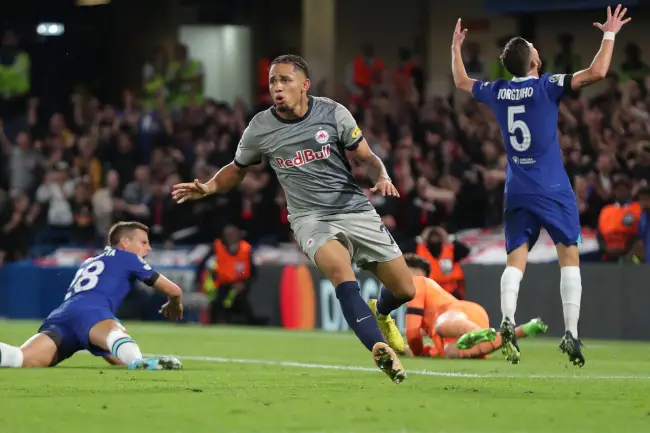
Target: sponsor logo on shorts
column 305, row 157
column 322, row 136
column 310, row 243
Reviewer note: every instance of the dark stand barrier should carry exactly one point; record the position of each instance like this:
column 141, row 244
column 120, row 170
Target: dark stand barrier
column 609, row 293
column 615, row 299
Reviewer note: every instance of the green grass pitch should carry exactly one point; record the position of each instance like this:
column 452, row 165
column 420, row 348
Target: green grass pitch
column 272, row 380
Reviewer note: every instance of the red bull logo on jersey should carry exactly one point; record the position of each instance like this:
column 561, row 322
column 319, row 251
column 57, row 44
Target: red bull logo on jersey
column 305, row 157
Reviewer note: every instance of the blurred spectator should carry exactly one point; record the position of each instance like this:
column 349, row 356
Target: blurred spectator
column 22, row 164
column 641, row 164
column 566, row 61
column 473, row 64
column 234, row 272
column 444, row 256
column 54, row 196
column 15, row 226
column 589, row 203
column 155, row 78
column 364, row 73
column 15, row 67
column 633, row 67
column 408, row 74
column 136, row 196
column 83, row 228
column 186, row 79
column 641, row 249
column 103, row 204
column 497, row 70
column 618, row 222
column 123, row 157
column 86, row 164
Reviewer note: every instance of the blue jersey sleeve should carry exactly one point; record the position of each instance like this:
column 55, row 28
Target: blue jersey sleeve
column 556, row 85
column 139, row 269
column 483, row 91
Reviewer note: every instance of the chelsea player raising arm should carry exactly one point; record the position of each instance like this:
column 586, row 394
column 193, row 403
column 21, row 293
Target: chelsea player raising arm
column 538, row 192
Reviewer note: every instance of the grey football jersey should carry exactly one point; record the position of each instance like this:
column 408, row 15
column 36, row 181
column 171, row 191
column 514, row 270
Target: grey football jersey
column 308, row 156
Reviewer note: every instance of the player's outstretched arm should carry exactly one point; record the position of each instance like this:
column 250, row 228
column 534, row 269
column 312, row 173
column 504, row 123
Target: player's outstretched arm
column 461, row 79
column 366, row 156
column 600, row 65
column 227, row 178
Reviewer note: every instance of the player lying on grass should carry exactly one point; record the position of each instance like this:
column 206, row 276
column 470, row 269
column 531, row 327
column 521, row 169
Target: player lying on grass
column 86, row 318
column 435, row 313
column 538, row 191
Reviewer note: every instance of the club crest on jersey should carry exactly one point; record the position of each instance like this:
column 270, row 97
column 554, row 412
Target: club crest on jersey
column 305, row 157
column 322, row 136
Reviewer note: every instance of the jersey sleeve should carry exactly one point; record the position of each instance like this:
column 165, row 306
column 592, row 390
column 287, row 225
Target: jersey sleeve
column 483, row 91
column 248, row 150
column 556, row 85
column 139, row 269
column 348, row 130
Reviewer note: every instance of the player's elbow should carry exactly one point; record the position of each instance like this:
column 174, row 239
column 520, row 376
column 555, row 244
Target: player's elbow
column 464, row 84
column 597, row 72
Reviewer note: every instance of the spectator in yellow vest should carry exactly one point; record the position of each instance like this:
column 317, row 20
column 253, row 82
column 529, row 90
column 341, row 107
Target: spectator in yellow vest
column 186, row 79
column 154, row 79
column 14, row 84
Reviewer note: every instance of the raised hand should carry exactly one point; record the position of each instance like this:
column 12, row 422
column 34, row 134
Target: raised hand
column 459, row 34
column 614, row 21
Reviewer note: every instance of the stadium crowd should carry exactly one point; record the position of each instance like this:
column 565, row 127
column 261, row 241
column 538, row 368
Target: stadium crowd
column 67, row 175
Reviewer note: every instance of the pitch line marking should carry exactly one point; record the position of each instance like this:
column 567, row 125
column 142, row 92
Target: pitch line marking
column 411, row 372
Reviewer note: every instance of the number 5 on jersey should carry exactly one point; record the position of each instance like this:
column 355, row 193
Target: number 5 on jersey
column 518, row 124
column 86, row 278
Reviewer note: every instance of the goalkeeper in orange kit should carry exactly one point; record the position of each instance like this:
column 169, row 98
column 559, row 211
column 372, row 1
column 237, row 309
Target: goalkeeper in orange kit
column 458, row 329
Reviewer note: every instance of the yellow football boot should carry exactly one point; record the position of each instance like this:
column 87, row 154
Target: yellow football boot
column 388, row 328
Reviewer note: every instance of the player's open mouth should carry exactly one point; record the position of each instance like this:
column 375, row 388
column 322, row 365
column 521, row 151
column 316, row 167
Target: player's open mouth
column 279, row 99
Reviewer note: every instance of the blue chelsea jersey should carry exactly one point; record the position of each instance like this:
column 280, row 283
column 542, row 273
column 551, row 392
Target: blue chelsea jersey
column 106, row 279
column 527, row 112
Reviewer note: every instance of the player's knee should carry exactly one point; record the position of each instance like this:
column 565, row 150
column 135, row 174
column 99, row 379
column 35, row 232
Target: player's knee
column 340, row 274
